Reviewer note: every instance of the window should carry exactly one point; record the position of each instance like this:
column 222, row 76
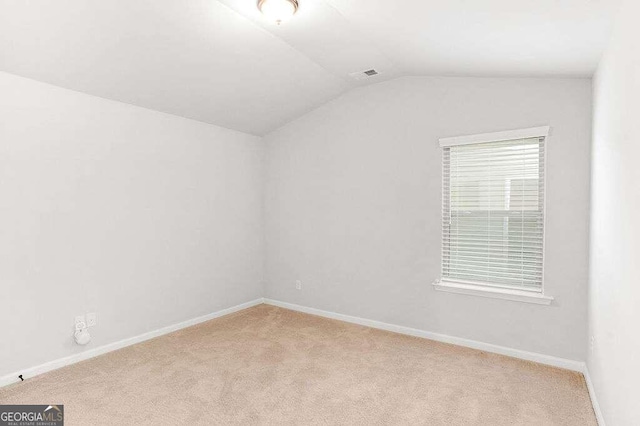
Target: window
column 493, row 214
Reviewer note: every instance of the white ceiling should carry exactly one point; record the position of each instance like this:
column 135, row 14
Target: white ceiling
column 486, row 37
column 219, row 62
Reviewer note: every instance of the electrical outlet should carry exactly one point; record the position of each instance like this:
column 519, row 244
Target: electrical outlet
column 298, row 285
column 80, row 319
column 91, row 319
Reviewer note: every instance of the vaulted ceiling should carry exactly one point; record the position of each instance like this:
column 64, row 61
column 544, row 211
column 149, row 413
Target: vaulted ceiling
column 220, row 62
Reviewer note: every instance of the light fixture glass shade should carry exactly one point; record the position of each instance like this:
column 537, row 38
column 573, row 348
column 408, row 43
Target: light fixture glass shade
column 278, row 11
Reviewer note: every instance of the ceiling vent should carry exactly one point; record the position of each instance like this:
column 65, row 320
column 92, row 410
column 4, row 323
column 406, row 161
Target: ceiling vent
column 363, row 75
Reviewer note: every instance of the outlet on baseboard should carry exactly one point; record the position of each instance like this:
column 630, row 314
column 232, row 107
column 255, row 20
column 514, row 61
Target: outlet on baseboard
column 298, row 285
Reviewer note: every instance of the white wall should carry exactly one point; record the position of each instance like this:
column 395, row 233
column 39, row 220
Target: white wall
column 353, row 207
column 145, row 218
column 149, row 219
column 614, row 296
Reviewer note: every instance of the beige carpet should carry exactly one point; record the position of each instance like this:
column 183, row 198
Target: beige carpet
column 267, row 365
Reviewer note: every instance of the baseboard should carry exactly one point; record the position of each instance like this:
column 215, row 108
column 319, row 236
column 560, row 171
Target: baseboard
column 72, row 359
column 567, row 364
column 487, row 347
column 594, row 399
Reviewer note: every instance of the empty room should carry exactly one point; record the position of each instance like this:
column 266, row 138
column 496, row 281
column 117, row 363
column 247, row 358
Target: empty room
column 319, row 212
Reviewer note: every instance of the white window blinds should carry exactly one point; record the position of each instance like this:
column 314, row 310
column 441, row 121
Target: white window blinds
column 493, row 213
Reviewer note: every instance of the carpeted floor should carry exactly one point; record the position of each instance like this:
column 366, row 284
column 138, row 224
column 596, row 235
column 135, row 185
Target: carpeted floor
column 267, row 365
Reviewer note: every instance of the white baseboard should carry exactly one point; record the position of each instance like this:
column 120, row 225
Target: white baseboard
column 594, row 399
column 72, row 359
column 578, row 366
column 567, row 364
column 487, row 347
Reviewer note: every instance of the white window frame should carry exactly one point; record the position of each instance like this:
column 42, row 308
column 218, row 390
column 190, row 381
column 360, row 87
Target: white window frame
column 482, row 290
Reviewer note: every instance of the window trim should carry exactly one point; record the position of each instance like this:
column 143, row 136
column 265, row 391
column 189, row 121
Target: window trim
column 509, row 135
column 484, row 289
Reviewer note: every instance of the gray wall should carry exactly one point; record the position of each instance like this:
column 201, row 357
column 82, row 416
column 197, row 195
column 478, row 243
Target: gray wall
column 145, row 218
column 614, row 290
column 352, row 203
column 149, row 219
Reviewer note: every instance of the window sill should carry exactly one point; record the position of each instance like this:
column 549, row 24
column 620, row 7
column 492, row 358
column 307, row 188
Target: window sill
column 493, row 292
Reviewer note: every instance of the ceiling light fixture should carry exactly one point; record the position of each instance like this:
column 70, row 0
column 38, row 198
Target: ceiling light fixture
column 278, row 11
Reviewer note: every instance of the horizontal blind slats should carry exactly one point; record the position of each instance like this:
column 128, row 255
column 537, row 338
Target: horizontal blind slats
column 493, row 213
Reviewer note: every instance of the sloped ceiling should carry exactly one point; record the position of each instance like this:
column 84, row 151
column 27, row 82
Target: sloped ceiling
column 219, row 62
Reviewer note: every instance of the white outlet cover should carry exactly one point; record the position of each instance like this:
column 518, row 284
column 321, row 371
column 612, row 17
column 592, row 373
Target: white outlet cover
column 91, row 319
column 79, row 319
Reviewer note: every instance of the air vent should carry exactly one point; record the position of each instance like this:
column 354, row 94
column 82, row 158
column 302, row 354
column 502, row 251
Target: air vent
column 362, row 75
